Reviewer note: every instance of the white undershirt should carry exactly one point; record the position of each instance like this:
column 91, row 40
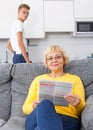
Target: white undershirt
column 17, row 27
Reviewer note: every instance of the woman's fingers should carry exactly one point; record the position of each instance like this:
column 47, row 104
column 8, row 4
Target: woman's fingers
column 35, row 103
column 72, row 99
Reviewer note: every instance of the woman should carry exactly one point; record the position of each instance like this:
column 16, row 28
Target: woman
column 46, row 116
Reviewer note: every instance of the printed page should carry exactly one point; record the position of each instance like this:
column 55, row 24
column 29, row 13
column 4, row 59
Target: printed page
column 61, row 89
column 54, row 91
column 46, row 90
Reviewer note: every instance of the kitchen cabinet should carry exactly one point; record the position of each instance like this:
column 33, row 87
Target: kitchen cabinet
column 8, row 13
column 83, row 9
column 58, row 16
column 34, row 25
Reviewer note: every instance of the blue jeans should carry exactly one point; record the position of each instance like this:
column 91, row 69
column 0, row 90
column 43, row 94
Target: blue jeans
column 69, row 123
column 18, row 58
column 44, row 117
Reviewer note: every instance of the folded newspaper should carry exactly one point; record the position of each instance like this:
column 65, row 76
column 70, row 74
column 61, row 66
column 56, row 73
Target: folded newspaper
column 54, row 91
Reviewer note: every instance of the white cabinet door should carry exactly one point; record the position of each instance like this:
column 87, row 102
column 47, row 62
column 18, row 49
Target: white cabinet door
column 83, row 9
column 34, row 25
column 58, row 16
column 8, row 14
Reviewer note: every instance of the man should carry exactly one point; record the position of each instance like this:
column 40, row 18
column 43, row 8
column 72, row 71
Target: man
column 17, row 43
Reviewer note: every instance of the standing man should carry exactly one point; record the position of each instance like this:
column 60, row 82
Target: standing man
column 17, row 43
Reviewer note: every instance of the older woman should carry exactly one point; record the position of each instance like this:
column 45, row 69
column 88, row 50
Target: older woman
column 45, row 115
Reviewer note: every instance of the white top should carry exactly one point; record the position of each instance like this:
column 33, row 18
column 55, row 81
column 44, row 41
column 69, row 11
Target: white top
column 17, row 27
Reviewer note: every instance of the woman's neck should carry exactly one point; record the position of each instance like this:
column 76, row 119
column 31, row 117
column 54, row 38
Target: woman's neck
column 56, row 74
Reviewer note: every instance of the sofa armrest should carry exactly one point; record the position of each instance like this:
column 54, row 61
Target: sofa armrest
column 87, row 114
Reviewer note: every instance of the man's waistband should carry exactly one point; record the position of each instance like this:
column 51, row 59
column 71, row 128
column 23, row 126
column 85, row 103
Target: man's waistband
column 15, row 53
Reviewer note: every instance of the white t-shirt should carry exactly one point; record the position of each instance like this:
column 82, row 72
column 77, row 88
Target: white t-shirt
column 17, row 27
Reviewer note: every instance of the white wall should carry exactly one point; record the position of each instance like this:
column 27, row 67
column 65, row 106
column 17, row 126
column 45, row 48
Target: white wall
column 3, row 51
column 76, row 47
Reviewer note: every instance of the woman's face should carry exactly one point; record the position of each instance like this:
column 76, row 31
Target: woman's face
column 55, row 61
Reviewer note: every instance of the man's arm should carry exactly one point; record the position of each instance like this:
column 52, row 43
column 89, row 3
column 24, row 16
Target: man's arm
column 9, row 46
column 22, row 47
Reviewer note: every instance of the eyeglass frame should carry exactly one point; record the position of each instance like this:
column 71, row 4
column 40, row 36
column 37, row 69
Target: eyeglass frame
column 56, row 58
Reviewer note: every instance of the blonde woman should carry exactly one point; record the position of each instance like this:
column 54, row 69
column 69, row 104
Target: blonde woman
column 45, row 115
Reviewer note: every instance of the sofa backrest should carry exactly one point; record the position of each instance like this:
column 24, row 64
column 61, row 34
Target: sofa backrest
column 23, row 74
column 5, row 91
column 84, row 69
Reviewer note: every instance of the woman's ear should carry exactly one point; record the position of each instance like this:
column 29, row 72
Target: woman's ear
column 63, row 61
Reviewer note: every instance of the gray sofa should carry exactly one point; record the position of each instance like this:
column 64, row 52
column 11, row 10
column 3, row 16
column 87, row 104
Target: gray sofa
column 14, row 84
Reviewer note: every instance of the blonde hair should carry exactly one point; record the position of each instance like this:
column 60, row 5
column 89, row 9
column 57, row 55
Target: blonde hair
column 23, row 6
column 55, row 48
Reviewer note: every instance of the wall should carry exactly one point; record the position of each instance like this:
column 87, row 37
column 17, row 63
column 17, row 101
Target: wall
column 3, row 50
column 76, row 47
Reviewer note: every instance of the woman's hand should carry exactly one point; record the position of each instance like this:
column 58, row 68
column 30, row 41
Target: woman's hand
column 73, row 99
column 35, row 103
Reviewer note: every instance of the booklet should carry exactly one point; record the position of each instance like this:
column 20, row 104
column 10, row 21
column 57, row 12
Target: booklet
column 54, row 91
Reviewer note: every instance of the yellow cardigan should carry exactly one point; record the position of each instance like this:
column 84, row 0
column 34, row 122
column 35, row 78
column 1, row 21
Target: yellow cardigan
column 69, row 110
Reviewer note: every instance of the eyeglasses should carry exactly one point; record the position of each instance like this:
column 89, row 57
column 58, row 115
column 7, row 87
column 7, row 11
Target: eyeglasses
column 56, row 58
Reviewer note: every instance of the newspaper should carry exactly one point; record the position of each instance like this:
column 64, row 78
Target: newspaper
column 54, row 91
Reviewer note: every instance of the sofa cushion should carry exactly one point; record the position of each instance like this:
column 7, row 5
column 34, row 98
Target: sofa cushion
column 84, row 69
column 23, row 74
column 2, row 122
column 15, row 123
column 5, row 93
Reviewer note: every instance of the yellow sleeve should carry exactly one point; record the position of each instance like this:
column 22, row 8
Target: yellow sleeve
column 32, row 95
column 79, row 90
